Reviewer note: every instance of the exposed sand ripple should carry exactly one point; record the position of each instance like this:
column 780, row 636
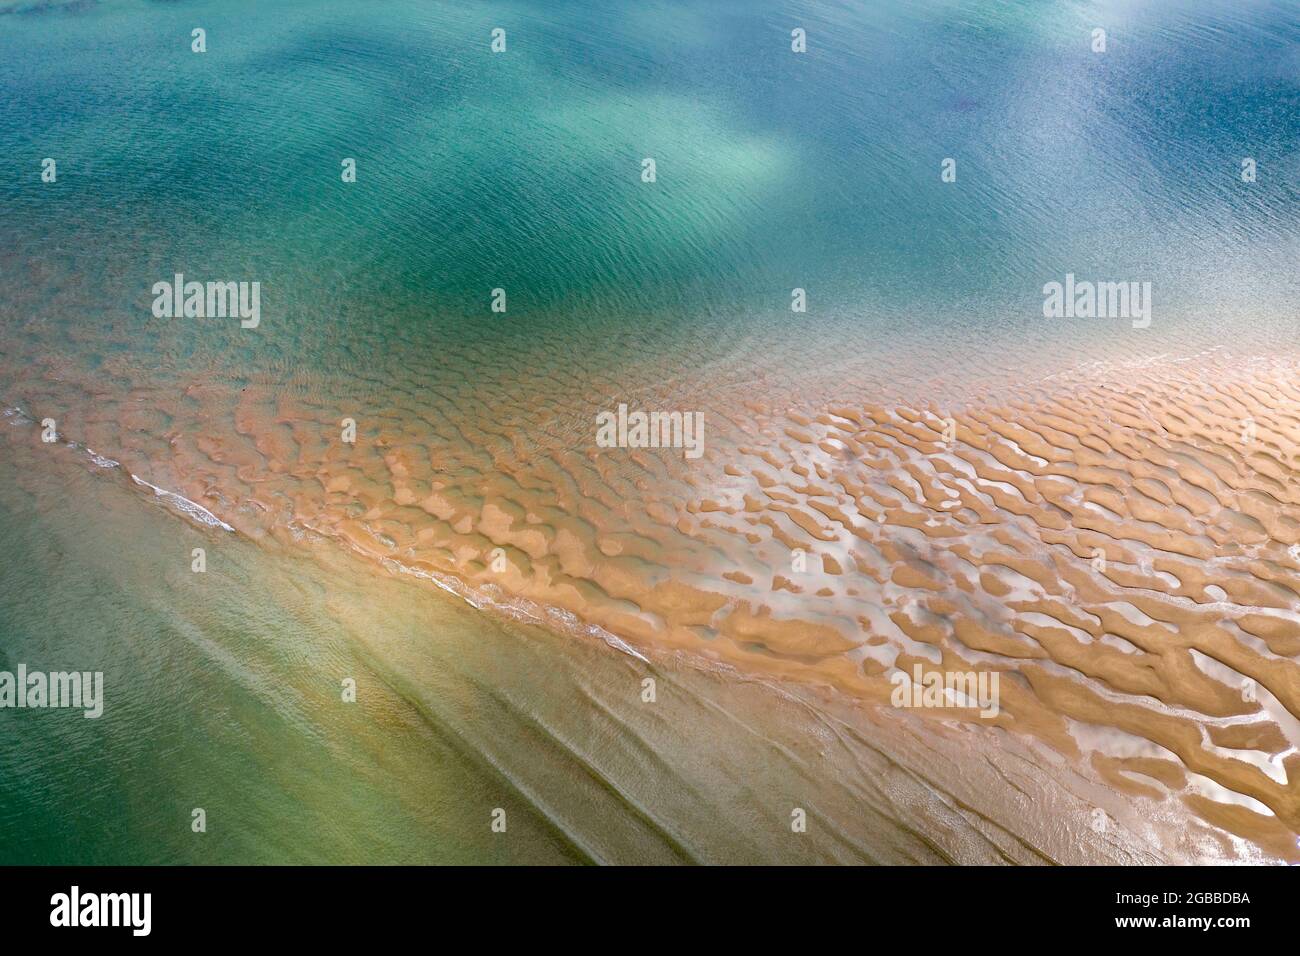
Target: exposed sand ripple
column 1121, row 554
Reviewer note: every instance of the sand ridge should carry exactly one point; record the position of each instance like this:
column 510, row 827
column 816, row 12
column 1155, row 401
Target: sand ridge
column 1124, row 556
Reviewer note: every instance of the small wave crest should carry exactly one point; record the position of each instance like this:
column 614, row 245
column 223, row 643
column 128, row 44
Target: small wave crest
column 191, row 509
column 517, row 608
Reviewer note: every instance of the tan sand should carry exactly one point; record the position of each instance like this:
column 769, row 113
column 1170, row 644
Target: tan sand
column 1112, row 546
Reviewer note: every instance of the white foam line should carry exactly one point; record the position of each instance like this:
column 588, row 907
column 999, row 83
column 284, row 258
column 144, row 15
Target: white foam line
column 523, row 610
column 191, row 508
column 103, row 461
column 620, row 645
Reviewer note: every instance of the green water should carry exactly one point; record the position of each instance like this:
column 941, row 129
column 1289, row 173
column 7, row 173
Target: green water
column 223, row 691
column 522, row 171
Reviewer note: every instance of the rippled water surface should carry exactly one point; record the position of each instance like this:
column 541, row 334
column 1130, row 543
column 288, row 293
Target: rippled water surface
column 1106, row 516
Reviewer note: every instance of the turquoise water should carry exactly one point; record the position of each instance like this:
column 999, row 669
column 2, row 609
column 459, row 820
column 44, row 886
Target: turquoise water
column 522, row 171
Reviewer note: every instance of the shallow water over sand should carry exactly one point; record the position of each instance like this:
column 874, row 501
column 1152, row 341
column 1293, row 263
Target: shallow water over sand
column 223, row 692
column 978, row 555
column 919, row 471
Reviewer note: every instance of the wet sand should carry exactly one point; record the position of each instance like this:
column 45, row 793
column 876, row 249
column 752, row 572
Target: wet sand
column 920, row 473
column 1104, row 539
column 222, row 690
